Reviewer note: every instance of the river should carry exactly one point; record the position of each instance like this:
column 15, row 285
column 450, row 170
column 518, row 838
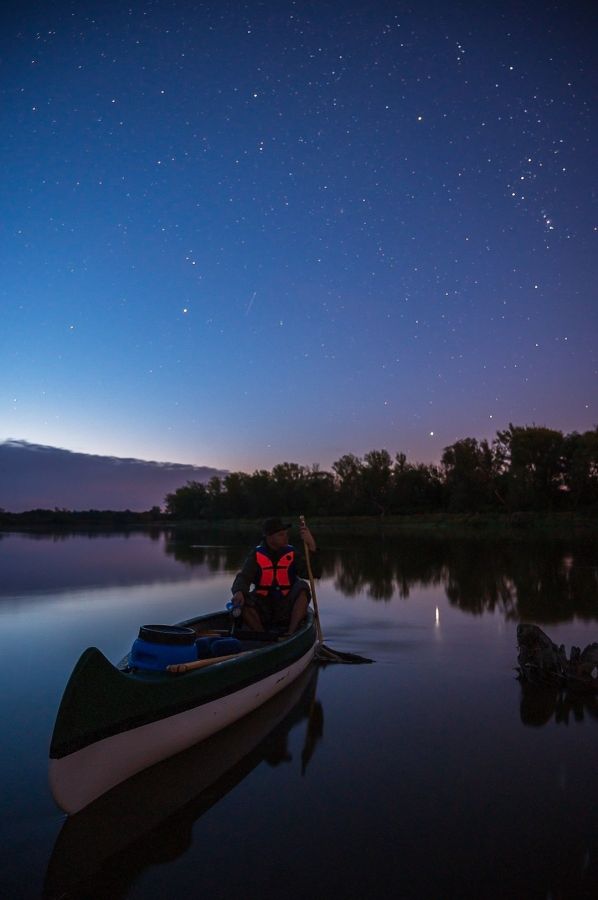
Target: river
column 430, row 774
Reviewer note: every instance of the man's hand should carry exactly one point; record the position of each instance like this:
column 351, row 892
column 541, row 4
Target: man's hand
column 239, row 598
column 307, row 536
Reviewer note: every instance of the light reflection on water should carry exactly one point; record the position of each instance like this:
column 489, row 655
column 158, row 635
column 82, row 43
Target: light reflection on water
column 434, row 770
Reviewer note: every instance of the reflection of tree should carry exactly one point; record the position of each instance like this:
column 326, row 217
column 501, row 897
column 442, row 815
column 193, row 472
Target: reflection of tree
column 383, row 568
column 540, row 705
column 193, row 549
column 66, row 534
column 544, row 582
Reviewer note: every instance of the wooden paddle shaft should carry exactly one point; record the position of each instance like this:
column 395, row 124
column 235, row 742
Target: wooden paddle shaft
column 179, row 668
column 312, row 585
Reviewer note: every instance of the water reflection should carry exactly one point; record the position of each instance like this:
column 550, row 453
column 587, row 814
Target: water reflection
column 541, row 705
column 543, row 582
column 32, row 564
column 214, row 557
column 149, row 819
column 546, row 582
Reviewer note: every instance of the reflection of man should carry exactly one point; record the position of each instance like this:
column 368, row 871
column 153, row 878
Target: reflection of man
column 276, row 570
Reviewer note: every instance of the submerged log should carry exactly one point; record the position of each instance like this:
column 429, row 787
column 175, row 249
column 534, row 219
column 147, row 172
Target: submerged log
column 542, row 662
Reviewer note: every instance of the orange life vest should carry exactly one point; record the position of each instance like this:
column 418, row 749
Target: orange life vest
column 274, row 577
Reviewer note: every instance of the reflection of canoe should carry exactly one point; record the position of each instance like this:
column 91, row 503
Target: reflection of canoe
column 113, row 723
column 150, row 817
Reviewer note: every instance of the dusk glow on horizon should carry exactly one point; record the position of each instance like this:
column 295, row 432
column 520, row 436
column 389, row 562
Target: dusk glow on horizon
column 237, row 234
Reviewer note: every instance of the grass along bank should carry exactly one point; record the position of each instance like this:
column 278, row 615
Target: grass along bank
column 521, row 525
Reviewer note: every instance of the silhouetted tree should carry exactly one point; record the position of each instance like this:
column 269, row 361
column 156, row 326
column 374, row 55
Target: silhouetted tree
column 262, row 494
column 536, row 465
column 319, row 492
column 581, row 451
column 349, row 485
column 470, row 474
column 415, row 488
column 237, row 491
column 290, row 481
column 376, row 479
column 188, row 502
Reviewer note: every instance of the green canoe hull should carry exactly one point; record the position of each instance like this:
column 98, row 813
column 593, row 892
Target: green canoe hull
column 112, row 723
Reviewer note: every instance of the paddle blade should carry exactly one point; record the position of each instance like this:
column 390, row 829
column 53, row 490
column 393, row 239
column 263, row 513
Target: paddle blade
column 325, row 655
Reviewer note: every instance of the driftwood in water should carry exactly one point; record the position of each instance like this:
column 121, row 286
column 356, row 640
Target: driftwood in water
column 542, row 662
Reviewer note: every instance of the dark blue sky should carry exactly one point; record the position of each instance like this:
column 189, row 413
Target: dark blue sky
column 241, row 233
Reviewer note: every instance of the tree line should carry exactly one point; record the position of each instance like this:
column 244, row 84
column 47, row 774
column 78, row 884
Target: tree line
column 107, row 520
column 525, row 468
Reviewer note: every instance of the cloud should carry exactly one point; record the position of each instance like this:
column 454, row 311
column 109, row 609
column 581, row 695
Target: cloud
column 33, row 476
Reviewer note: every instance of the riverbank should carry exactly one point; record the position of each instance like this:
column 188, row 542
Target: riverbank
column 511, row 526
column 431, row 525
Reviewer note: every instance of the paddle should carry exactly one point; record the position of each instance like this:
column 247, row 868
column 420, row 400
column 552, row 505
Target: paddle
column 323, row 653
column 180, row 668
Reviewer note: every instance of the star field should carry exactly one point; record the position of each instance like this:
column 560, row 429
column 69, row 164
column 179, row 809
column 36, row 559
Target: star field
column 242, row 233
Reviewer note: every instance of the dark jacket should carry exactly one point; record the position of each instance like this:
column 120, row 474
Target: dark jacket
column 250, row 571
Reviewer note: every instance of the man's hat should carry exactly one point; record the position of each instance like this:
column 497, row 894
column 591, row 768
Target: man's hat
column 271, row 526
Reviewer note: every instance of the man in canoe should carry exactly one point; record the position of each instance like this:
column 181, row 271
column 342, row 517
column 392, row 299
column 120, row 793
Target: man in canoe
column 276, row 570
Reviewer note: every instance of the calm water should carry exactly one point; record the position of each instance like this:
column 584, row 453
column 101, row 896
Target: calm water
column 428, row 774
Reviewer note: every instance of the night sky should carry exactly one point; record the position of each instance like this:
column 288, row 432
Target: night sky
column 235, row 234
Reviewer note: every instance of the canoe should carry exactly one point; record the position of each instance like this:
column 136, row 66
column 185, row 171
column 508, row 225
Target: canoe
column 150, row 817
column 114, row 721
